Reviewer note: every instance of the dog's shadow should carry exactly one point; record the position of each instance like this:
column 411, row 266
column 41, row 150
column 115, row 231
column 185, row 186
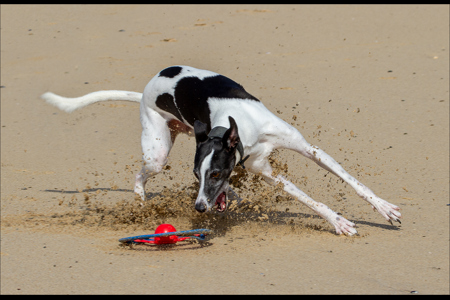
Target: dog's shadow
column 88, row 190
column 226, row 221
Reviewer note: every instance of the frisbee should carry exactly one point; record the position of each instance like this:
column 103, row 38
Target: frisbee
column 167, row 234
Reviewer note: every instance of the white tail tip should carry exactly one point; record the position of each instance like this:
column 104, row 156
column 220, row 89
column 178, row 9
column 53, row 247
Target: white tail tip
column 65, row 104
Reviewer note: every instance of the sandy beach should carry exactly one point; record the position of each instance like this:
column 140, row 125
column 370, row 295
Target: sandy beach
column 369, row 84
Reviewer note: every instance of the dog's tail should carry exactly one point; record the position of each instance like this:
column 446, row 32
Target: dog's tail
column 71, row 104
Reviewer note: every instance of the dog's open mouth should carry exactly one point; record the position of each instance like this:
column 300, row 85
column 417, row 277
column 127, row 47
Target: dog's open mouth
column 221, row 202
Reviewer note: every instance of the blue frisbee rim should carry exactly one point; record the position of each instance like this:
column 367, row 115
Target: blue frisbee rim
column 189, row 233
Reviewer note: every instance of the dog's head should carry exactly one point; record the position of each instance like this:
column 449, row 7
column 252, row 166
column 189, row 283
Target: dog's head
column 215, row 158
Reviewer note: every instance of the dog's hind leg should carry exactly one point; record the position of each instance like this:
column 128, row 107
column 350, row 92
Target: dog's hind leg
column 156, row 141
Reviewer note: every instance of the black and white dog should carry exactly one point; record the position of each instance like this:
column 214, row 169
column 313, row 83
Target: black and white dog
column 213, row 107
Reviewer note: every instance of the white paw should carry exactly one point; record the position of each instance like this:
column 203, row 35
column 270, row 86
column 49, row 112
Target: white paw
column 344, row 226
column 341, row 224
column 389, row 211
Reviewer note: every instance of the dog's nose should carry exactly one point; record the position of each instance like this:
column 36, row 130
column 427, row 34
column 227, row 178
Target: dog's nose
column 200, row 207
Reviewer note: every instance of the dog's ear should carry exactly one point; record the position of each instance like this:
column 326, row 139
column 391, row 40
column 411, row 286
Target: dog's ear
column 200, row 131
column 231, row 136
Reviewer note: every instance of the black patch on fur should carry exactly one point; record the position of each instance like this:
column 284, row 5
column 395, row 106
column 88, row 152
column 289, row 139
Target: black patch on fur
column 166, row 103
column 192, row 93
column 170, row 72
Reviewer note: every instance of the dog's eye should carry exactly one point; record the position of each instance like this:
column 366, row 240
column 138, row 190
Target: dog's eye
column 215, row 174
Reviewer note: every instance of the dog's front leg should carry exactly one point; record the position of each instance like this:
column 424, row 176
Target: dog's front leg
column 297, row 143
column 388, row 210
column 341, row 225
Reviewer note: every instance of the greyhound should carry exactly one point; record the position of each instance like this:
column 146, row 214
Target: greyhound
column 231, row 127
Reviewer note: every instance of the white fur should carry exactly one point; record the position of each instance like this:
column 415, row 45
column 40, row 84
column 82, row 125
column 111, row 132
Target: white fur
column 260, row 132
column 71, row 104
column 206, row 164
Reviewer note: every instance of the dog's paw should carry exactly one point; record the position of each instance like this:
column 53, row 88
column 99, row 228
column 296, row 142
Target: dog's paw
column 344, row 226
column 341, row 224
column 389, row 211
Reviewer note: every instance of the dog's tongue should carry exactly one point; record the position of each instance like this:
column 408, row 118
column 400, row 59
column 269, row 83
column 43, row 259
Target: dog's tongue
column 221, row 202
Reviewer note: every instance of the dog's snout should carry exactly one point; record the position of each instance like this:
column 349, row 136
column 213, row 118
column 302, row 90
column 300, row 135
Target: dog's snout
column 200, row 207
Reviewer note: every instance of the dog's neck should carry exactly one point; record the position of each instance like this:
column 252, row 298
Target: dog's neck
column 219, row 132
